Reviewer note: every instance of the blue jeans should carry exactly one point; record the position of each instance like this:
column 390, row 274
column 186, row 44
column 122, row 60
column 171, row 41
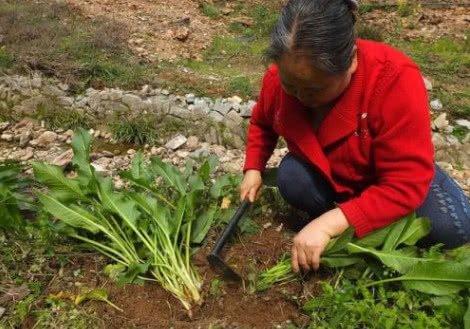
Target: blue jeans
column 446, row 204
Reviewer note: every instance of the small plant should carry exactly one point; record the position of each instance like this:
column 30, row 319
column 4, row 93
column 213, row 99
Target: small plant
column 139, row 131
column 404, row 8
column 13, row 200
column 280, row 273
column 6, row 60
column 150, row 230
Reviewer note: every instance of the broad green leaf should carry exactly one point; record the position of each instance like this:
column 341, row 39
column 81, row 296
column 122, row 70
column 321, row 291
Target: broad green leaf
column 339, row 243
column 114, row 271
column 399, row 260
column 205, row 171
column 71, row 215
column 133, row 272
column 196, row 183
column 393, row 238
column 170, row 174
column 157, row 212
column 81, row 145
column 418, row 229
column 53, row 177
column 202, row 225
column 219, row 185
column 444, row 278
column 461, row 254
column 376, row 238
column 340, row 260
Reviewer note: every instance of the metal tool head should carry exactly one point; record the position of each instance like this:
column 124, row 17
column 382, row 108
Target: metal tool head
column 222, row 268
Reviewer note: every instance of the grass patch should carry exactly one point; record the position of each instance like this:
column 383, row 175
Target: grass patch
column 369, row 32
column 52, row 38
column 210, row 10
column 56, row 116
column 241, row 86
column 6, row 59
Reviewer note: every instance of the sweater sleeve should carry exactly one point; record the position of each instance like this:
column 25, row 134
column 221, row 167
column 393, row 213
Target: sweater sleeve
column 262, row 138
column 404, row 157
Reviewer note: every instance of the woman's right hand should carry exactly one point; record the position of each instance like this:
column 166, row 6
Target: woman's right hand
column 251, row 185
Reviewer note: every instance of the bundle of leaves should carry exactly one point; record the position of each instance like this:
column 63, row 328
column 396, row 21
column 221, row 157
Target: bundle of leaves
column 150, row 231
column 13, row 198
column 389, row 255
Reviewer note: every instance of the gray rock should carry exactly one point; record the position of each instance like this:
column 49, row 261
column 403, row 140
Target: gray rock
column 216, row 116
column 179, row 112
column 212, row 137
column 436, row 105
column 201, row 152
column 438, row 140
column 246, row 109
column 190, row 98
column 222, row 106
column 2, row 311
column 233, row 119
column 453, row 140
column 133, row 101
column 176, row 142
column 46, row 138
column 463, row 123
column 25, row 137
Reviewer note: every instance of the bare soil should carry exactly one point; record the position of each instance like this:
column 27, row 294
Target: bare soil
column 231, row 306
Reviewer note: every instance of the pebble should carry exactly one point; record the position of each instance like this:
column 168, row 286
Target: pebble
column 176, row 142
column 463, row 123
column 427, row 83
column 436, row 105
column 46, row 138
column 441, row 121
column 131, row 152
column 192, row 143
column 7, row 137
column 28, row 155
column 63, row 159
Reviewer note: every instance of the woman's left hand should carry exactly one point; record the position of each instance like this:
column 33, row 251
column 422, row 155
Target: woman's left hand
column 312, row 240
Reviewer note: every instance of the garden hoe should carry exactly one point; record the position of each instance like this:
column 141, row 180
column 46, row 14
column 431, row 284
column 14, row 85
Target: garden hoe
column 214, row 257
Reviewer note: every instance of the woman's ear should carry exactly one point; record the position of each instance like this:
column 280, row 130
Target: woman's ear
column 352, row 69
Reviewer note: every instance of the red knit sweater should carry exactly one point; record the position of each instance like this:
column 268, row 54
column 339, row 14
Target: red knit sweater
column 374, row 147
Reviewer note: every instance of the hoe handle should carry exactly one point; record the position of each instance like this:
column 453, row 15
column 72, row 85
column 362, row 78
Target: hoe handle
column 231, row 226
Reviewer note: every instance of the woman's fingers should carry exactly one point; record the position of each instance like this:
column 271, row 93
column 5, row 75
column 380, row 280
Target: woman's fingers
column 252, row 194
column 295, row 261
column 302, row 257
column 315, row 258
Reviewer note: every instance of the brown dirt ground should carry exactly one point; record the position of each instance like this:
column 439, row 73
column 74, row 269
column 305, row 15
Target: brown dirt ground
column 150, row 306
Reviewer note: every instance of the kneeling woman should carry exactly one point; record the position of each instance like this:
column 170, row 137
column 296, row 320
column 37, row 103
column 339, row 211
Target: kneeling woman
column 355, row 116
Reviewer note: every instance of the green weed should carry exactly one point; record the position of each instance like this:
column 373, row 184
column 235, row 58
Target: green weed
column 6, row 59
column 139, row 131
column 369, row 32
column 56, row 116
column 210, row 11
column 241, row 86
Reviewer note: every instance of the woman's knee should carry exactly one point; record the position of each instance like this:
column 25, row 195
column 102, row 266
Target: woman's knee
column 448, row 209
column 303, row 187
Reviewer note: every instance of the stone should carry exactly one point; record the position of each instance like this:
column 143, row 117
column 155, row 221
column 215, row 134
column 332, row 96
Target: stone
column 246, row 109
column 233, row 119
column 156, row 150
column 63, row 159
column 436, row 105
column 192, row 143
column 182, row 33
column 216, row 116
column 2, row 311
column 441, row 121
column 452, row 140
column 438, row 140
column 133, row 101
column 182, row 154
column 99, row 168
column 235, row 99
column 131, row 152
column 7, row 137
column 46, row 138
column 25, row 137
column 63, row 86
column 190, row 98
column 463, row 123
column 201, row 152
column 427, row 83
column 176, row 142
column 222, row 106
column 28, row 154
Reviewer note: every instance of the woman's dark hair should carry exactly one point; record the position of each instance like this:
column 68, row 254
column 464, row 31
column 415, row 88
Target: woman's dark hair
column 323, row 30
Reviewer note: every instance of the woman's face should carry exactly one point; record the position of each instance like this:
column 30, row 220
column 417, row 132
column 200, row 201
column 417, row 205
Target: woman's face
column 312, row 87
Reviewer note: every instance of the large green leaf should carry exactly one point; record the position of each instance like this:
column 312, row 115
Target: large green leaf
column 170, row 174
column 406, row 231
column 400, row 260
column 202, row 225
column 442, row 278
column 340, row 260
column 53, row 177
column 376, row 238
column 71, row 215
column 219, row 185
column 81, row 145
column 339, row 243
